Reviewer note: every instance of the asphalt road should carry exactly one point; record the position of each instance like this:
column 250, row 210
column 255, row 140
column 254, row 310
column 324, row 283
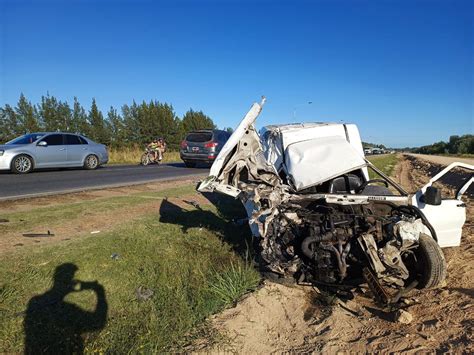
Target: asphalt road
column 48, row 182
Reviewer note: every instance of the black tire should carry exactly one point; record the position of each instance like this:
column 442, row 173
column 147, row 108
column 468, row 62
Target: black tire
column 145, row 159
column 431, row 263
column 22, row 164
column 91, row 162
column 190, row 164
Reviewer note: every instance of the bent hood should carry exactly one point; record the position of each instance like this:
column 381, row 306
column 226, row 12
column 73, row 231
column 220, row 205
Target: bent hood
column 306, row 163
column 241, row 155
column 312, row 162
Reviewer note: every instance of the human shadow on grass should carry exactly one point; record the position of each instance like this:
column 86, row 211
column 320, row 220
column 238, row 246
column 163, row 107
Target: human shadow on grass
column 228, row 211
column 54, row 326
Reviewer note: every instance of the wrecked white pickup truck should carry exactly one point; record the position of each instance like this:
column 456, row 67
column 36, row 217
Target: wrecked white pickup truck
column 320, row 219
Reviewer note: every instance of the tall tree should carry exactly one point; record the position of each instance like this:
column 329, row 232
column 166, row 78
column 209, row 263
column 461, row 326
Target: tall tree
column 98, row 125
column 79, row 123
column 130, row 119
column 27, row 116
column 49, row 113
column 466, row 146
column 9, row 123
column 117, row 127
column 64, row 117
column 193, row 120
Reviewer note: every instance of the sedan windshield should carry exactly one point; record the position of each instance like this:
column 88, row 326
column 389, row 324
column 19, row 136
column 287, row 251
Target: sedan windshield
column 26, row 139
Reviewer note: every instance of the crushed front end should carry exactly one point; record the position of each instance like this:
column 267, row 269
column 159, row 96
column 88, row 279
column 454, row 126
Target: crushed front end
column 316, row 237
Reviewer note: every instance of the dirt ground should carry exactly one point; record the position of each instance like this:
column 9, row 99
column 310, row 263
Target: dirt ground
column 279, row 319
column 442, row 160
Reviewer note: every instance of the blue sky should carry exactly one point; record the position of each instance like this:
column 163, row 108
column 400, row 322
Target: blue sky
column 401, row 70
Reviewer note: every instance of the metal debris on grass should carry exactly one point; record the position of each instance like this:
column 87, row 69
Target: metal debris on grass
column 115, row 256
column 35, row 235
column 143, row 293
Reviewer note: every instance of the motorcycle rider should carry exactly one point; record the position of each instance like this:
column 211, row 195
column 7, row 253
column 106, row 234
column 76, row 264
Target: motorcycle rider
column 158, row 147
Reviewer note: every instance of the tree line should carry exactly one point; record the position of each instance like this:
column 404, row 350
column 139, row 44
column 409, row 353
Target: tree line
column 456, row 145
column 135, row 124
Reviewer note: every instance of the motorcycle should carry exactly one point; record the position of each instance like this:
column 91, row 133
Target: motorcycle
column 148, row 157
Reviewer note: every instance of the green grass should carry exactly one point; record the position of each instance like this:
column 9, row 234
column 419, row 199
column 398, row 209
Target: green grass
column 50, row 216
column 386, row 163
column 193, row 261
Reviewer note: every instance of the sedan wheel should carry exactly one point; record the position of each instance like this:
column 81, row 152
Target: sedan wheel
column 22, row 164
column 91, row 163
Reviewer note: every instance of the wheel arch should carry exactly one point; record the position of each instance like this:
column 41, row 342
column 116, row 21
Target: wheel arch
column 88, row 155
column 33, row 161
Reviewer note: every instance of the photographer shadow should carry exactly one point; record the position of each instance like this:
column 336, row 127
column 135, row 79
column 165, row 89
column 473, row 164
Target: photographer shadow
column 55, row 326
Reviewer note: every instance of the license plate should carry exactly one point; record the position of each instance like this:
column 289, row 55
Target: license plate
column 195, row 149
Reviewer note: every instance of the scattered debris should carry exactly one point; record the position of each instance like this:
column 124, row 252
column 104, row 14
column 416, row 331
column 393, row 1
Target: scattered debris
column 95, row 232
column 115, row 256
column 143, row 293
column 35, row 235
column 403, row 317
column 431, row 324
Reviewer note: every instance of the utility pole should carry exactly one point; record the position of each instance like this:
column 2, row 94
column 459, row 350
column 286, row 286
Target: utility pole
column 296, row 106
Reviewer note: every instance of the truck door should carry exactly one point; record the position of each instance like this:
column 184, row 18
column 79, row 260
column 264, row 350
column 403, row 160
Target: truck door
column 448, row 216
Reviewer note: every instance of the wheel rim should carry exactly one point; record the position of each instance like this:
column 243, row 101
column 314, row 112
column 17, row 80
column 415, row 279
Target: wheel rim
column 92, row 162
column 22, row 164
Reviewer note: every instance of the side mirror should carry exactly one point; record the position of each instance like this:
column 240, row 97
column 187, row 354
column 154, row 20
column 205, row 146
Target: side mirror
column 432, row 196
column 42, row 144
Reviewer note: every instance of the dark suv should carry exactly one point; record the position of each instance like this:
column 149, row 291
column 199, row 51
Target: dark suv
column 202, row 146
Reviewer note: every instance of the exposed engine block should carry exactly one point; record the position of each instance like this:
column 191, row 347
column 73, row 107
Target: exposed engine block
column 330, row 244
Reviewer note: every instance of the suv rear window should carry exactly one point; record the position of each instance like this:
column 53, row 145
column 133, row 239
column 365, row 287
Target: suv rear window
column 199, row 137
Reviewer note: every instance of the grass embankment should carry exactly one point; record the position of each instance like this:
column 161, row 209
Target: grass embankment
column 184, row 259
column 385, row 162
column 54, row 215
column 132, row 155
